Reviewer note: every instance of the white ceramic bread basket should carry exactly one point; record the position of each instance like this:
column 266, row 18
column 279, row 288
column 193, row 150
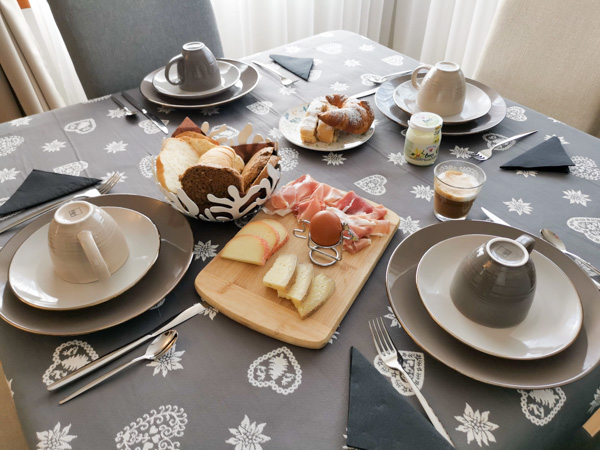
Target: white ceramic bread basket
column 236, row 205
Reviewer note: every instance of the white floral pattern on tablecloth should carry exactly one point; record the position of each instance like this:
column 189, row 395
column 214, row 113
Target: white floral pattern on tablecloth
column 526, row 173
column 205, row 250
column 423, row 191
column 55, row 439
column 541, row 405
column 149, row 127
column 392, row 317
column 210, row 111
column 8, row 174
column 373, row 184
column 334, row 336
column 248, row 436
column 278, row 370
column 116, row 147
column 168, row 362
column 116, row 113
column 275, row 134
column 287, row 90
column 352, row 63
column 339, row 87
column 9, row 144
column 261, row 108
column 154, row 430
column 53, row 146
column 122, row 176
column 165, row 110
column 413, row 364
column 145, row 166
column 585, row 168
column 83, row 126
column 68, row 357
column 516, row 113
column 408, row 225
column 366, row 48
column 397, row 159
column 74, row 168
column 595, row 403
column 331, row 49
column 576, row 197
column 21, row 121
column 492, row 139
column 460, row 152
column 289, row 159
column 519, row 206
column 589, row 226
column 477, row 426
column 334, row 159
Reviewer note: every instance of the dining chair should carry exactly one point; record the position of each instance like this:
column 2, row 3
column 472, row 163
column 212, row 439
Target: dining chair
column 545, row 55
column 114, row 44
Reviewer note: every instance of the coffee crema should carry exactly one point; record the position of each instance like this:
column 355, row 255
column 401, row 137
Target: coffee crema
column 455, row 193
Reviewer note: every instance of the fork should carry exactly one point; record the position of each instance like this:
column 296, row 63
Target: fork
column 391, row 357
column 102, row 189
column 283, row 80
column 486, row 154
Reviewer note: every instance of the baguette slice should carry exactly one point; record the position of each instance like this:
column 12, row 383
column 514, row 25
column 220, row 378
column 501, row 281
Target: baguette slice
column 302, row 281
column 247, row 249
column 281, row 273
column 320, row 290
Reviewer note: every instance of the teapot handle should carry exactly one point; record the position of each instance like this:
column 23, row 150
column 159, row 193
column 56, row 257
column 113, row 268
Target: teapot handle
column 526, row 241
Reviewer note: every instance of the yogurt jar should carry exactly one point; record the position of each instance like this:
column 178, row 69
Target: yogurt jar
column 423, row 138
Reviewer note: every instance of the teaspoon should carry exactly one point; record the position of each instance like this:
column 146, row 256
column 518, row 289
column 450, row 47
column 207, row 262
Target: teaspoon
column 378, row 79
column 157, row 348
column 128, row 113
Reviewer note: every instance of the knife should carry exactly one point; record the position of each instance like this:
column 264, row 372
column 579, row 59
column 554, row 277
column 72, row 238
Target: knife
column 96, row 364
column 494, row 218
column 155, row 120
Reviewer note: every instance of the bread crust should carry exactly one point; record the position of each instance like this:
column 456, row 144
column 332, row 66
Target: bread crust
column 352, row 115
column 202, row 179
column 255, row 165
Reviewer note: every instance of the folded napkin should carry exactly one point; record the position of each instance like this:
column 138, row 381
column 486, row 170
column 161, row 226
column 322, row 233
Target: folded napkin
column 378, row 416
column 298, row 66
column 40, row 187
column 549, row 156
column 11, row 433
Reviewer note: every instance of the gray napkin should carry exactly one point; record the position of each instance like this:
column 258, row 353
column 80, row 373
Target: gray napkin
column 549, row 156
column 298, row 66
column 378, row 416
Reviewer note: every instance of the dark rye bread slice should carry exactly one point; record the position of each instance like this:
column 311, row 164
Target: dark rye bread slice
column 202, row 179
column 273, row 161
column 254, row 166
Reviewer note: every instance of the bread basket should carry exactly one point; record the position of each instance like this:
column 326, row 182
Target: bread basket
column 236, row 205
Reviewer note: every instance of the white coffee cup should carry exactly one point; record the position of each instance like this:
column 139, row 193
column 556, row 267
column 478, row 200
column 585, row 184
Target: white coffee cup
column 197, row 68
column 85, row 242
column 443, row 90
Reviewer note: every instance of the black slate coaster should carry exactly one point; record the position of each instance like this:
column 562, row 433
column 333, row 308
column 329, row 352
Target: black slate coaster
column 378, row 416
column 298, row 66
column 549, row 156
column 40, row 187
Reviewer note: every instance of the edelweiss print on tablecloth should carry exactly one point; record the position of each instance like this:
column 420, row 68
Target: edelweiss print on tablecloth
column 209, row 110
column 278, row 370
column 408, row 225
column 248, row 436
column 526, row 173
column 589, row 226
column 21, row 121
column 492, row 138
column 339, row 87
column 83, row 126
column 585, row 168
column 168, row 362
column 55, row 439
column 392, row 317
column 373, row 184
column 122, row 175
column 115, row 147
column 519, row 206
column 516, row 113
column 333, row 48
column 205, row 250
column 397, row 158
column 8, row 174
column 149, row 127
column 541, row 405
column 9, row 144
column 461, row 152
column 261, row 108
column 477, row 426
column 422, row 191
column 53, row 146
column 352, row 63
column 334, row 159
column 67, row 358
column 595, row 403
column 74, row 168
column 145, row 166
column 395, row 60
column 287, row 90
column 576, row 197
column 116, row 113
column 165, row 109
column 334, row 336
column 289, row 159
column 413, row 364
column 154, row 430
column 275, row 134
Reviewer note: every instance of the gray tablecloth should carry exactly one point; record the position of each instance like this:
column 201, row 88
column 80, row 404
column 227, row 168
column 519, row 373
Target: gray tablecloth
column 226, row 386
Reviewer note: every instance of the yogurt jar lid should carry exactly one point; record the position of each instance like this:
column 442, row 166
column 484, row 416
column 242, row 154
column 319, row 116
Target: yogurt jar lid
column 425, row 121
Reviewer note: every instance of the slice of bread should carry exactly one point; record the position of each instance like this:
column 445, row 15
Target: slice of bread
column 202, row 179
column 255, row 165
column 273, row 161
column 196, row 135
column 176, row 155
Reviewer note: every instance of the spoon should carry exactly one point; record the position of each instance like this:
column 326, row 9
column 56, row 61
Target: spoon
column 378, row 79
column 553, row 239
column 128, row 113
column 157, row 348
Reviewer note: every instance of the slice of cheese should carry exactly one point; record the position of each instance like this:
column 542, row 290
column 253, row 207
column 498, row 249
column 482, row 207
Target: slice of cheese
column 320, row 289
column 281, row 231
column 248, row 249
column 302, row 280
column 263, row 231
column 282, row 271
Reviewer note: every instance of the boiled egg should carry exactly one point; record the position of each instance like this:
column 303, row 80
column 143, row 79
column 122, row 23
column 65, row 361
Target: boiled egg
column 325, row 228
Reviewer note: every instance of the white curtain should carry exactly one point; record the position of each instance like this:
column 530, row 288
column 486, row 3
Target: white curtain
column 426, row 30
column 37, row 73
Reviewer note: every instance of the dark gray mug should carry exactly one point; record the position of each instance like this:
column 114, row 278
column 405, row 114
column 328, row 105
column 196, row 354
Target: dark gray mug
column 495, row 284
column 197, row 68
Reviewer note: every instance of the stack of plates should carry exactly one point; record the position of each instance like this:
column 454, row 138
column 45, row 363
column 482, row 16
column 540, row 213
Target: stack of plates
column 484, row 107
column 34, row 299
column 237, row 80
column 557, row 343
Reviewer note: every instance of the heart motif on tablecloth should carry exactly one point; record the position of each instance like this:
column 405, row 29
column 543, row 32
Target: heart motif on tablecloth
column 67, row 358
column 146, row 166
column 260, row 108
column 9, row 144
column 492, row 138
column 516, row 113
column 83, row 126
column 541, row 405
column 74, row 168
column 413, row 365
column 333, row 48
column 149, row 127
column 156, row 429
column 289, row 159
column 395, row 60
column 278, row 370
column 589, row 226
column 373, row 184
column 314, row 75
column 585, row 168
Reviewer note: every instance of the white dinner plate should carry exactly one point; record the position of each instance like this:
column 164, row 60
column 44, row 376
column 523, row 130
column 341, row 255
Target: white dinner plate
column 229, row 76
column 477, row 103
column 34, row 281
column 289, row 125
column 552, row 324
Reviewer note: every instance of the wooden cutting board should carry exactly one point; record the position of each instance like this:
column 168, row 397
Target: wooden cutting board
column 236, row 289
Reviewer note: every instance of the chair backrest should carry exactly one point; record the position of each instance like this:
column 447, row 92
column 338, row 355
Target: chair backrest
column 114, row 44
column 545, row 54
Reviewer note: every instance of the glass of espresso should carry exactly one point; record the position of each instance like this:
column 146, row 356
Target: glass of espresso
column 456, row 185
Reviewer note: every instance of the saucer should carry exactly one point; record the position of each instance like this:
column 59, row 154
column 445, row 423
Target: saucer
column 33, row 280
column 289, row 125
column 552, row 324
column 230, row 75
column 477, row 103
